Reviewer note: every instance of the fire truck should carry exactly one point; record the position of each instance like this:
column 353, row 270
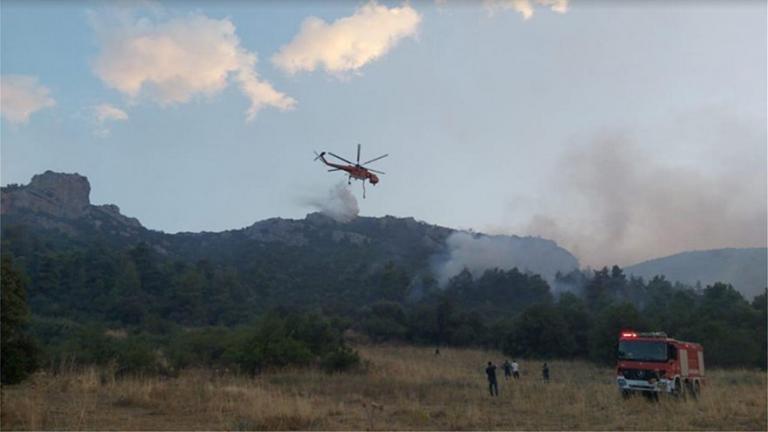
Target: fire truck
column 652, row 363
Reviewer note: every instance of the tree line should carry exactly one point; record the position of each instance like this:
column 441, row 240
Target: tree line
column 518, row 314
column 173, row 314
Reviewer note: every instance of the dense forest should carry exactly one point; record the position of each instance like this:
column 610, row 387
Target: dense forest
column 143, row 311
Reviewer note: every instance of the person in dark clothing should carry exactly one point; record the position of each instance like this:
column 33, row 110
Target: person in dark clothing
column 545, row 372
column 493, row 387
column 507, row 369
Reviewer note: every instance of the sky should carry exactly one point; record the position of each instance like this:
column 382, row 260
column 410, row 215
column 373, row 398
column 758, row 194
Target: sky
column 622, row 130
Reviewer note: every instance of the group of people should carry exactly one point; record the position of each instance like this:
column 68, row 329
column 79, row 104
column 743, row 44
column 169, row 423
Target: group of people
column 511, row 370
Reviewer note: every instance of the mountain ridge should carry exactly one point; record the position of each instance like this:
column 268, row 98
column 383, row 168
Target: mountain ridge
column 60, row 202
column 744, row 268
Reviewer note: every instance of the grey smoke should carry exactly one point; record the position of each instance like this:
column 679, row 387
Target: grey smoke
column 478, row 253
column 338, row 203
column 614, row 202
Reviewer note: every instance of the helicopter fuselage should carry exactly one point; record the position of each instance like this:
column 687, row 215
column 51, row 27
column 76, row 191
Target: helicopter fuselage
column 356, row 172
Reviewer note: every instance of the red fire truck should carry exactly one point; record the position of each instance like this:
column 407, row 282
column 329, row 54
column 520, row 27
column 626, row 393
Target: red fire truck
column 653, row 363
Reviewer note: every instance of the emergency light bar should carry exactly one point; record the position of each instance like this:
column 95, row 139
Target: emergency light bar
column 626, row 334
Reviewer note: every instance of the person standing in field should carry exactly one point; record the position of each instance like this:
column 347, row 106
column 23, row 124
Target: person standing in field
column 515, row 369
column 507, row 369
column 493, row 387
column 545, row 372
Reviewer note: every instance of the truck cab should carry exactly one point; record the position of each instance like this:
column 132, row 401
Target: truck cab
column 652, row 363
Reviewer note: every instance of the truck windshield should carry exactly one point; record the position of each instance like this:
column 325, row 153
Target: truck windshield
column 642, row 351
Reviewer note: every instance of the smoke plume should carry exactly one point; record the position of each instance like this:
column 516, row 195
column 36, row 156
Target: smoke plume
column 478, row 253
column 617, row 203
column 339, row 203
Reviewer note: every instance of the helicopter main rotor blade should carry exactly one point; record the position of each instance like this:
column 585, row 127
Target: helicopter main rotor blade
column 358, row 153
column 340, row 158
column 375, row 159
column 376, row 171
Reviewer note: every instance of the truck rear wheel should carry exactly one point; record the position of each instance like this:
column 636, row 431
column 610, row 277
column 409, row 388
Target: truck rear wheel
column 678, row 390
column 695, row 390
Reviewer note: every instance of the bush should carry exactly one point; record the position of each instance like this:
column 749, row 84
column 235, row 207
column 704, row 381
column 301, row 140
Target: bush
column 341, row 359
column 136, row 357
column 19, row 359
column 204, row 348
column 280, row 340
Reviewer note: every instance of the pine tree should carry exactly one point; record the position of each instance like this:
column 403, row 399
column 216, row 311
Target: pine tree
column 19, row 353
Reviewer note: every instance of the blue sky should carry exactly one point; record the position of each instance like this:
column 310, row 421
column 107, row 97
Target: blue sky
column 581, row 125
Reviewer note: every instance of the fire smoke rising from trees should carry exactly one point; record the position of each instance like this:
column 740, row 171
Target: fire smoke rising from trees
column 625, row 204
column 339, row 203
column 478, row 253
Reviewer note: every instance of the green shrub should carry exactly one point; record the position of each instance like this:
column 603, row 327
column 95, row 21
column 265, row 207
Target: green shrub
column 135, row 357
column 341, row 359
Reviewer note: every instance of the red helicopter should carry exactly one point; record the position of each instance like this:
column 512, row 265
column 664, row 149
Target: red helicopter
column 357, row 171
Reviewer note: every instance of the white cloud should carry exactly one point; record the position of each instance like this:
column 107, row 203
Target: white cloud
column 106, row 112
column 350, row 42
column 20, row 96
column 526, row 7
column 174, row 60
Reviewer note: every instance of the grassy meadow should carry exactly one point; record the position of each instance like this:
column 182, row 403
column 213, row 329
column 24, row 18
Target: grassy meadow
column 401, row 388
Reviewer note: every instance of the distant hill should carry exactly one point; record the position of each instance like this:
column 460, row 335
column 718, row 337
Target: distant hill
column 310, row 261
column 745, row 269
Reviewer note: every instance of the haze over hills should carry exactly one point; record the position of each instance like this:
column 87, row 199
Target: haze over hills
column 746, row 269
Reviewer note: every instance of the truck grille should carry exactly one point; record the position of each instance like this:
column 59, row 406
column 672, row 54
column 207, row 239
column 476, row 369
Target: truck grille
column 639, row 374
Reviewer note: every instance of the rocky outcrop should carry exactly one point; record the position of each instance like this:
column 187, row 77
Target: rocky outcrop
column 57, row 200
column 113, row 211
column 278, row 230
column 56, row 194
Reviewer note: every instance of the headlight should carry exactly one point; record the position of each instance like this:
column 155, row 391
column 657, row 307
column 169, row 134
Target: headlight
column 622, row 382
column 662, row 385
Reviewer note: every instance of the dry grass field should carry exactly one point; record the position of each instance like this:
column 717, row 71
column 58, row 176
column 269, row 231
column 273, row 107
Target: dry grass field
column 403, row 388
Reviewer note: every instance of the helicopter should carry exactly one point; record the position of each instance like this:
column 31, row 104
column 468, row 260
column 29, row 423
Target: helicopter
column 355, row 170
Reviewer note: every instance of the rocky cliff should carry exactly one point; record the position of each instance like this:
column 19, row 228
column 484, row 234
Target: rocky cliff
column 62, row 201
